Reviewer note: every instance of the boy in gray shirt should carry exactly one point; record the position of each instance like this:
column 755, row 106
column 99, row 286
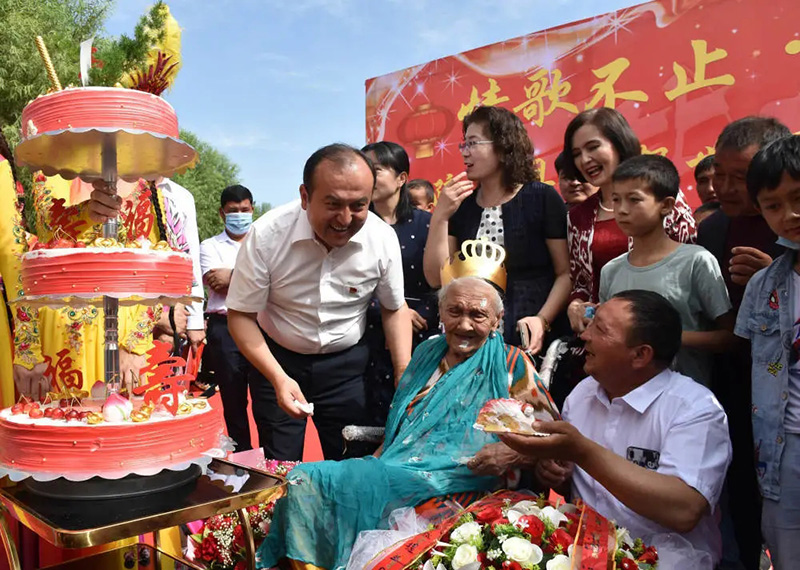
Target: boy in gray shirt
column 688, row 276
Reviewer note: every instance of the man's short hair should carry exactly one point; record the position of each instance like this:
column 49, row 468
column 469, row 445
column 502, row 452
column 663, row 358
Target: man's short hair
column 340, row 154
column 655, row 322
column 560, row 163
column 422, row 183
column 235, row 193
column 656, row 171
column 704, row 166
column 749, row 131
column 770, row 163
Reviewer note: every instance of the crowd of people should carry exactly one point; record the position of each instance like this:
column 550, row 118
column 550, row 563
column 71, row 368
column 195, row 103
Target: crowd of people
column 680, row 394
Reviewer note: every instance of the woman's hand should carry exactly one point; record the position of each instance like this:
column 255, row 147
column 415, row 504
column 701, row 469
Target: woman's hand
column 453, row 193
column 417, row 321
column 31, row 382
column 104, row 203
column 493, row 459
column 577, row 315
column 531, row 330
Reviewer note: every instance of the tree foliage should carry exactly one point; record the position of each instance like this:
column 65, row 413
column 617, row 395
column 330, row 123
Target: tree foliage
column 63, row 24
column 206, row 181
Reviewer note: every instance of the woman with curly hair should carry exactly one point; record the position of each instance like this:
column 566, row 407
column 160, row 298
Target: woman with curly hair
column 499, row 198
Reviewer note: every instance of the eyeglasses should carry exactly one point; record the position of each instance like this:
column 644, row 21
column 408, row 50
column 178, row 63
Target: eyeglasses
column 469, row 145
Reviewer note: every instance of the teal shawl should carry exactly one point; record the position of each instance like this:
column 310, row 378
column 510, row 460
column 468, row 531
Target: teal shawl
column 330, row 502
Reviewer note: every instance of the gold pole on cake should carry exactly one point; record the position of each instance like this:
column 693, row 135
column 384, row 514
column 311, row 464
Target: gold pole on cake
column 48, row 64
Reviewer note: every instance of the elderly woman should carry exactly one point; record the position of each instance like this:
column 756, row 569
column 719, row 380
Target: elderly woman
column 429, row 432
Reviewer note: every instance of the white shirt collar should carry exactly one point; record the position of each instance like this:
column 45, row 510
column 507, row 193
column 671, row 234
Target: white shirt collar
column 640, row 398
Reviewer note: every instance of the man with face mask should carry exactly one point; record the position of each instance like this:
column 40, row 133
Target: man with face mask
column 298, row 300
column 232, row 371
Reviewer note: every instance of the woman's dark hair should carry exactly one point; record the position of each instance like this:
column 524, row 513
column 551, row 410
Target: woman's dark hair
column 391, row 155
column 655, row 323
column 612, row 125
column 768, row 166
column 510, row 141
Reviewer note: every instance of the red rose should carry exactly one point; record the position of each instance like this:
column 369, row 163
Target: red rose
column 649, row 556
column 628, row 564
column 511, row 565
column 209, row 549
column 571, row 525
column 533, row 526
column 498, row 522
column 241, row 565
column 488, row 515
column 22, row 315
column 558, row 542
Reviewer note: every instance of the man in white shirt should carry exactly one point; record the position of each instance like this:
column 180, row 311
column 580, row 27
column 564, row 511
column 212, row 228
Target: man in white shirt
column 643, row 445
column 232, row 370
column 304, row 276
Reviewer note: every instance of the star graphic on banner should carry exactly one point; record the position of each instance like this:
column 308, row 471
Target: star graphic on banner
column 442, row 147
column 451, row 81
column 419, row 89
column 618, row 21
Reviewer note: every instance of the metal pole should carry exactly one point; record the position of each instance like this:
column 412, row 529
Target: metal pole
column 110, row 304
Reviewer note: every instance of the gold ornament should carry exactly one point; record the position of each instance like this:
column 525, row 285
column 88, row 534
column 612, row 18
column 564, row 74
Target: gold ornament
column 477, row 258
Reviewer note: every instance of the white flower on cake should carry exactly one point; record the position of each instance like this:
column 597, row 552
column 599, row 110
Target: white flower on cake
column 465, row 554
column 555, row 516
column 467, row 532
column 117, row 409
column 559, row 562
column 429, row 566
column 522, row 551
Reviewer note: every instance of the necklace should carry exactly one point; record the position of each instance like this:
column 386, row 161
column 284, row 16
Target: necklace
column 609, row 210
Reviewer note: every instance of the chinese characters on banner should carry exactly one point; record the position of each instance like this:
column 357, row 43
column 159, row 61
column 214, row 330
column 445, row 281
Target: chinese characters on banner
column 678, row 71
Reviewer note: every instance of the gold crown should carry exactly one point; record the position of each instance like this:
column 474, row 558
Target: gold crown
column 477, row 258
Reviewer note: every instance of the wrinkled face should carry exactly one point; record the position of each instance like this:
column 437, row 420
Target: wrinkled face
column 705, row 186
column 387, row 181
column 419, row 199
column 231, row 207
column 573, row 191
column 469, row 316
column 781, row 208
column 636, row 209
column 607, row 352
column 480, row 161
column 338, row 206
column 594, row 155
column 730, row 181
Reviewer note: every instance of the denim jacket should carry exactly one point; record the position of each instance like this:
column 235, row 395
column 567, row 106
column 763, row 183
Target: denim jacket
column 766, row 318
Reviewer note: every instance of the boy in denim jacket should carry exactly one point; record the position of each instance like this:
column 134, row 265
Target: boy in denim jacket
column 770, row 318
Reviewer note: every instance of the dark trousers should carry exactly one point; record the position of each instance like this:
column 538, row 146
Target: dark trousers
column 334, row 383
column 233, row 373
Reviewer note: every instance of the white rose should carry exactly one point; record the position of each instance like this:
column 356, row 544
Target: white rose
column 526, row 507
column 522, row 551
column 467, row 532
column 624, row 537
column 465, row 554
column 559, row 562
column 555, row 516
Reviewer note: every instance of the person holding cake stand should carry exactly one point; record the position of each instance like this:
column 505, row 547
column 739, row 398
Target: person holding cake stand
column 298, row 299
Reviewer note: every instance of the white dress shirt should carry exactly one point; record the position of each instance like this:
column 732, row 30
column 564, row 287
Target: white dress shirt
column 679, row 427
column 310, row 300
column 181, row 224
column 218, row 252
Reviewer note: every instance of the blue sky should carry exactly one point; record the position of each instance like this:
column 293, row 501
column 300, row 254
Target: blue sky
column 268, row 82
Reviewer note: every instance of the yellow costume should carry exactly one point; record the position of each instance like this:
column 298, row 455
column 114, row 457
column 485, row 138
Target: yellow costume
column 70, row 339
column 12, row 243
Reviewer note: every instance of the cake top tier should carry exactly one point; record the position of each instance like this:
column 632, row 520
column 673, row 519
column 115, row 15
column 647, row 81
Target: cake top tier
column 69, row 131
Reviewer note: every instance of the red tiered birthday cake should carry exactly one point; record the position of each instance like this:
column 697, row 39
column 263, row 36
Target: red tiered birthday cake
column 74, row 442
column 99, row 108
column 139, row 271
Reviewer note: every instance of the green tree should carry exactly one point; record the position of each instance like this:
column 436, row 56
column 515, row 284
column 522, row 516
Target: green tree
column 214, row 171
column 63, row 24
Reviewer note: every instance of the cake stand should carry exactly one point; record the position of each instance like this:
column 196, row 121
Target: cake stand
column 107, row 154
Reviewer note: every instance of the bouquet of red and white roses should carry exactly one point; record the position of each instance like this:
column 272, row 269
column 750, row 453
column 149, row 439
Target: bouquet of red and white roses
column 534, row 535
column 219, row 543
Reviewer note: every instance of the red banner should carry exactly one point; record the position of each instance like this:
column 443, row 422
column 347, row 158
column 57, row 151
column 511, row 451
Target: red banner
column 679, row 70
